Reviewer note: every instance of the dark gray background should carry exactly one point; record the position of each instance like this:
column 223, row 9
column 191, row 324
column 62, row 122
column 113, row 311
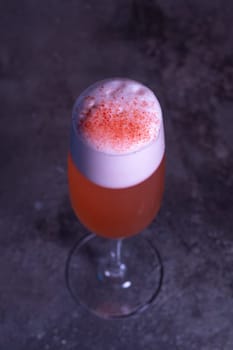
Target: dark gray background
column 49, row 52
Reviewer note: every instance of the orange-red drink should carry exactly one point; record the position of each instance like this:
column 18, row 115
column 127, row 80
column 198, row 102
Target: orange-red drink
column 116, row 160
column 115, row 213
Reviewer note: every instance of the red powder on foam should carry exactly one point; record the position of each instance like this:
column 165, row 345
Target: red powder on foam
column 107, row 125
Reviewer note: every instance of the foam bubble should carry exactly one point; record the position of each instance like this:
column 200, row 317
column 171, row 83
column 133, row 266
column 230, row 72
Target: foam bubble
column 117, row 137
column 118, row 116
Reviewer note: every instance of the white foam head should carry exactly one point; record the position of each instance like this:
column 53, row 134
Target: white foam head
column 117, row 136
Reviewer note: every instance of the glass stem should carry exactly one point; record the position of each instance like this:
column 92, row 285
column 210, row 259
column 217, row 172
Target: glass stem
column 118, row 252
column 115, row 268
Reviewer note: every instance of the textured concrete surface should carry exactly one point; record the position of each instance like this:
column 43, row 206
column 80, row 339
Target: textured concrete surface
column 49, row 52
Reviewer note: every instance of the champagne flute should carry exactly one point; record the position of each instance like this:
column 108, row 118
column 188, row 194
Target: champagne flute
column 116, row 167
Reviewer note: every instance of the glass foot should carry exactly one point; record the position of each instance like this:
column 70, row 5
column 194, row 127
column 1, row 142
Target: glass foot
column 111, row 291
